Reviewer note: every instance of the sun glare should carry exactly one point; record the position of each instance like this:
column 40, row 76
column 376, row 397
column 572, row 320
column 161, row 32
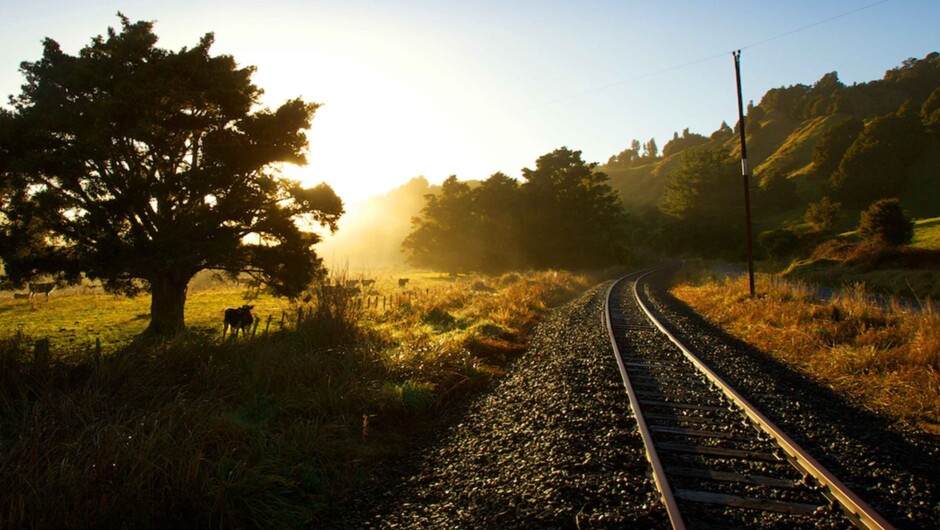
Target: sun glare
column 388, row 112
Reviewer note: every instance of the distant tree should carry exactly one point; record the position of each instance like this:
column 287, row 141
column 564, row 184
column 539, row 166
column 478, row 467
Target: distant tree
column 822, row 215
column 570, row 216
column 875, row 165
column 625, row 159
column 635, row 146
column 705, row 185
column 723, row 133
column 141, row 166
column 755, row 115
column 833, row 144
column 497, row 224
column 789, row 100
column 779, row 243
column 917, row 78
column 443, row 233
column 776, row 193
column 930, row 112
column 886, row 222
column 705, row 200
column 650, row 150
column 828, row 85
column 686, row 141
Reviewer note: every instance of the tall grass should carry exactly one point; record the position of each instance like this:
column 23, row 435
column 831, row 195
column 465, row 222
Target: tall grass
column 884, row 355
column 200, row 432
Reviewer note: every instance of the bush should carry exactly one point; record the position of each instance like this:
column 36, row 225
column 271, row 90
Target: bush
column 886, row 222
column 778, row 243
column 822, row 215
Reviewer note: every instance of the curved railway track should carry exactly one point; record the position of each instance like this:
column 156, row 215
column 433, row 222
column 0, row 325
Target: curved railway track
column 717, row 461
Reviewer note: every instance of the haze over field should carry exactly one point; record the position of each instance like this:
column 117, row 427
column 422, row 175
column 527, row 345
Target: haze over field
column 431, row 89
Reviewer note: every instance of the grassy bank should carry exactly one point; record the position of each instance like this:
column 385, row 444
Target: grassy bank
column 247, row 433
column 911, row 271
column 885, row 357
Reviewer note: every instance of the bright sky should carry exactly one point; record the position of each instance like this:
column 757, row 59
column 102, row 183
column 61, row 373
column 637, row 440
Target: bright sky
column 433, row 88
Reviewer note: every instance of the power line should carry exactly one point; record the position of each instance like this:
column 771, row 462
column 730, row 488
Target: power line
column 814, row 24
column 702, row 60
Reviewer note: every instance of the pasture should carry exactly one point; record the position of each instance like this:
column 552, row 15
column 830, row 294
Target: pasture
column 262, row 432
column 73, row 318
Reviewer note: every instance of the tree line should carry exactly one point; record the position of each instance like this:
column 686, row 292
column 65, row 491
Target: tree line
column 563, row 214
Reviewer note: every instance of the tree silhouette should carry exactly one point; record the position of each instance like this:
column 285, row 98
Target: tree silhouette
column 443, row 233
column 141, row 166
column 571, row 216
column 703, row 198
column 885, row 222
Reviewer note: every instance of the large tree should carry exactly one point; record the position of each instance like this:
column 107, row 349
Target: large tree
column 141, row 166
column 442, row 235
column 570, row 216
column 703, row 202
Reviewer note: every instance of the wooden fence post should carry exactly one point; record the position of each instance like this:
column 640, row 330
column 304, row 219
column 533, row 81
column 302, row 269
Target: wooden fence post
column 41, row 354
column 268, row 324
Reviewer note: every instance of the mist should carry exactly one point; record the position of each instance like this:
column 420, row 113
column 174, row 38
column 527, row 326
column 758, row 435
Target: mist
column 371, row 232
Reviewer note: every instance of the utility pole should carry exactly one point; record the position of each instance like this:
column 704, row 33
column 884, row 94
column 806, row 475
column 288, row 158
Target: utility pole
column 744, row 173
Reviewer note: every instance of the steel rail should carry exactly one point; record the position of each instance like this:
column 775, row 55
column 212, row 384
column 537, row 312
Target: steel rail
column 659, row 474
column 857, row 509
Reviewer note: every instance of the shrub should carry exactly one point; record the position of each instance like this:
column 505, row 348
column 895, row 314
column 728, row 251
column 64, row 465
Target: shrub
column 886, row 222
column 822, row 215
column 778, row 243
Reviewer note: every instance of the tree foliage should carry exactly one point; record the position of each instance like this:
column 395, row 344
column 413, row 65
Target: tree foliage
column 572, row 218
column 563, row 215
column 886, row 222
column 444, row 231
column 930, row 112
column 681, row 143
column 705, row 200
column 833, row 144
column 822, row 215
column 141, row 166
column 706, row 185
column 875, row 165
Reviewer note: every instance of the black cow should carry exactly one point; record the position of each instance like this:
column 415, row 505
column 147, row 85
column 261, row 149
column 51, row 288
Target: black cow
column 238, row 319
column 41, row 288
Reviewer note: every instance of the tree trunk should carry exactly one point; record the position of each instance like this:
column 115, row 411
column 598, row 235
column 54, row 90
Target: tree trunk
column 168, row 298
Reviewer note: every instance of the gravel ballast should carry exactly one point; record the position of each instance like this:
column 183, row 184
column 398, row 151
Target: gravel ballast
column 894, row 469
column 554, row 444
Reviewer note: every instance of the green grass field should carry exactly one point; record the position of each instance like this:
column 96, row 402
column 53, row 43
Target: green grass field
column 73, row 320
column 927, row 233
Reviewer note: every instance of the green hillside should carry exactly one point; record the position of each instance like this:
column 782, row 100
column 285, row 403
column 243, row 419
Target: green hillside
column 854, row 144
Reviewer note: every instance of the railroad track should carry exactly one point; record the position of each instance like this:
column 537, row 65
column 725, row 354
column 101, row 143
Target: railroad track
column 717, row 461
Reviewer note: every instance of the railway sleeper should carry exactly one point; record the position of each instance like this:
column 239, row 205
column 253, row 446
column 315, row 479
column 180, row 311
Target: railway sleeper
column 737, row 501
column 695, row 432
column 717, row 451
column 735, row 477
column 678, row 405
column 687, row 418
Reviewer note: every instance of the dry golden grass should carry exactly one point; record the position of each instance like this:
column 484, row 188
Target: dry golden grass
column 883, row 355
column 262, row 432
